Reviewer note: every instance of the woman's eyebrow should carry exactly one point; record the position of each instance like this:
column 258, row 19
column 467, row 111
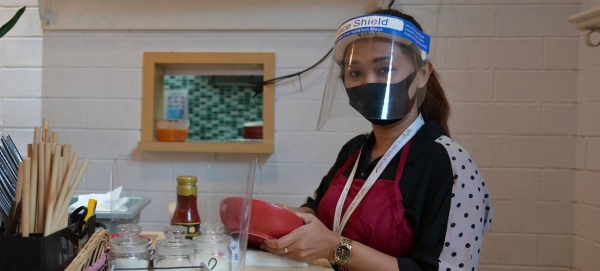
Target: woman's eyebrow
column 375, row 60
column 383, row 58
column 354, row 62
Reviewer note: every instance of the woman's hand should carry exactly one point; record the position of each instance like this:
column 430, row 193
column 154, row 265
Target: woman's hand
column 307, row 243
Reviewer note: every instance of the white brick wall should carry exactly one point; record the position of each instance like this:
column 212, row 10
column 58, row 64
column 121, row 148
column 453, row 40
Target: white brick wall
column 587, row 182
column 21, row 72
column 510, row 69
column 511, row 77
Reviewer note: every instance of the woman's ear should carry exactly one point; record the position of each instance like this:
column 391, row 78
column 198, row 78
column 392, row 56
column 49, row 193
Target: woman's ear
column 423, row 75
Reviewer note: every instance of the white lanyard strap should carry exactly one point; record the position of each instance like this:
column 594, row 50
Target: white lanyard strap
column 339, row 224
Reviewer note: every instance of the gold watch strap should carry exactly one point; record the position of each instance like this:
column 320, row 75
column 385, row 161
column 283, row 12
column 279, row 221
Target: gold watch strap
column 347, row 243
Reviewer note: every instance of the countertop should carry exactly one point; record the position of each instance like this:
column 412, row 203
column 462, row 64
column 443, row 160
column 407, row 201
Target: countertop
column 310, row 268
column 317, row 265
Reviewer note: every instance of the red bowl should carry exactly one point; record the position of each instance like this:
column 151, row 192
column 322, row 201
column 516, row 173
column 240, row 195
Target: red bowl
column 267, row 221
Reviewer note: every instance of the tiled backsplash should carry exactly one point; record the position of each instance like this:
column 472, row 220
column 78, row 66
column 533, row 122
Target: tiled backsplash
column 217, row 111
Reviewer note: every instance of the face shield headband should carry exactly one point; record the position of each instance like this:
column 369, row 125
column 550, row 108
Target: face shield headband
column 385, row 26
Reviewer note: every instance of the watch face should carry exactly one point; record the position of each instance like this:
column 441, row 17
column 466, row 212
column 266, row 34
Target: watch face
column 342, row 253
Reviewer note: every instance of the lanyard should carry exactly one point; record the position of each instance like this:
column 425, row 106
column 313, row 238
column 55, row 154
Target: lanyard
column 339, row 224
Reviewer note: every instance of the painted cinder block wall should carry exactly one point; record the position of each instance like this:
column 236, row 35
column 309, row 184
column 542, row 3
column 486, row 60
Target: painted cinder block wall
column 520, row 80
column 586, row 239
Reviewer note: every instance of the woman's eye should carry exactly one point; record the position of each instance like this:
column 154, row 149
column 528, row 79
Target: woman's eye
column 354, row 73
column 385, row 70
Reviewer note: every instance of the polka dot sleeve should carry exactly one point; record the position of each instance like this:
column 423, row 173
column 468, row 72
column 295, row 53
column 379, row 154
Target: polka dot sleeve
column 470, row 211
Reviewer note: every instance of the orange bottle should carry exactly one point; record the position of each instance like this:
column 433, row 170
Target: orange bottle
column 186, row 212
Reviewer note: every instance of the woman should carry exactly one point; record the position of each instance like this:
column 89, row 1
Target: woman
column 405, row 196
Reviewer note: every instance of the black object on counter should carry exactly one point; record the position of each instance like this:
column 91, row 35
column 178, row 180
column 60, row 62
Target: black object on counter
column 38, row 253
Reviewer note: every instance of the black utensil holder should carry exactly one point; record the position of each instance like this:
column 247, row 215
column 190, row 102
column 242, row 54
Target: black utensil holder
column 38, row 253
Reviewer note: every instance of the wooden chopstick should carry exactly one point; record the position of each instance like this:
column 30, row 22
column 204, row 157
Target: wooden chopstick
column 37, row 135
column 41, row 214
column 46, row 131
column 47, row 169
column 44, row 188
column 61, row 196
column 50, row 214
column 25, row 199
column 33, row 224
column 62, row 210
column 54, row 137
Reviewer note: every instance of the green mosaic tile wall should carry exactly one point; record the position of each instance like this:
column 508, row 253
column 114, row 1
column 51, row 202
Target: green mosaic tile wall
column 216, row 112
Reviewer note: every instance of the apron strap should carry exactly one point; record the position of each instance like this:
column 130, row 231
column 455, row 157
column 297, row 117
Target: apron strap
column 403, row 157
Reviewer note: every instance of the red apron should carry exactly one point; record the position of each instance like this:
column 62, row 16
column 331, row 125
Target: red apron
column 379, row 220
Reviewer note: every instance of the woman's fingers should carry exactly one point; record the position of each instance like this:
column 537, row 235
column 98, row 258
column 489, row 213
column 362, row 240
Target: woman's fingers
column 306, row 217
column 296, row 234
column 307, row 242
column 284, row 241
column 293, row 251
column 276, row 251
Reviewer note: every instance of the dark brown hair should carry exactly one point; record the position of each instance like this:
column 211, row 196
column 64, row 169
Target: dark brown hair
column 435, row 105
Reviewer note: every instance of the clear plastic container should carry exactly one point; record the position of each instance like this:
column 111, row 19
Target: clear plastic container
column 129, row 250
column 174, row 250
column 172, row 130
column 213, row 247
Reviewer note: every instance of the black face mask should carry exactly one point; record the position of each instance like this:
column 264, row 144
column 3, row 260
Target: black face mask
column 368, row 100
column 383, row 122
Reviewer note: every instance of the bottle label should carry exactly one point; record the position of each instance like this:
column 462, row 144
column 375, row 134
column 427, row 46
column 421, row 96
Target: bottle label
column 193, row 229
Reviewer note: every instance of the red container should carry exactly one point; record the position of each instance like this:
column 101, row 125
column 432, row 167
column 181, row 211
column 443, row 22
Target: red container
column 253, row 130
column 267, row 220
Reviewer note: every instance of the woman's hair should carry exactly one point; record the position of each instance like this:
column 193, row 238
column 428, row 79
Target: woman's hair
column 435, row 106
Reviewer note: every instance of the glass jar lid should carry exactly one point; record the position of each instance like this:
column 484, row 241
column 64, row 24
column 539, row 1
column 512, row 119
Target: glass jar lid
column 175, row 243
column 129, row 240
column 213, row 236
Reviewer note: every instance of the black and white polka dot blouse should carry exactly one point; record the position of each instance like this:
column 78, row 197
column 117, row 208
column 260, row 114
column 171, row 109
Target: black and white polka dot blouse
column 444, row 194
column 470, row 211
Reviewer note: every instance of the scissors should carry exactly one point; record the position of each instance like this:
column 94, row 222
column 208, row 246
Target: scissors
column 78, row 218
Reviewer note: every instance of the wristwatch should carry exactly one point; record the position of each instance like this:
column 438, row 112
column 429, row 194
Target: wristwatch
column 342, row 252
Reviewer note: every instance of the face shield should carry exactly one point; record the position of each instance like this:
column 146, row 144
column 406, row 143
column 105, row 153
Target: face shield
column 378, row 70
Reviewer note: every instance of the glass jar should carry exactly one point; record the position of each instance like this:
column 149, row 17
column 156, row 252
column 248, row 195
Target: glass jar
column 175, row 250
column 212, row 247
column 186, row 212
column 128, row 250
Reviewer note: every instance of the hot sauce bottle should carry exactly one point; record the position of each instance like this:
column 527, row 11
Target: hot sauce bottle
column 186, row 212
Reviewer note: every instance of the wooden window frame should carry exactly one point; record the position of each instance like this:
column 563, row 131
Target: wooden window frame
column 153, row 72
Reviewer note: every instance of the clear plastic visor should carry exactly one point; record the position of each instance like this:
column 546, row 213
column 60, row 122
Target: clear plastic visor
column 374, row 78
